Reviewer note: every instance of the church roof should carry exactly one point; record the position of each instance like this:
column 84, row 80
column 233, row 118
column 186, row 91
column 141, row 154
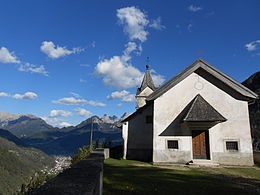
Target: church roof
column 147, row 81
column 201, row 111
column 211, row 70
column 139, row 111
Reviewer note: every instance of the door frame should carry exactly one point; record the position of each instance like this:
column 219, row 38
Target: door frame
column 208, row 145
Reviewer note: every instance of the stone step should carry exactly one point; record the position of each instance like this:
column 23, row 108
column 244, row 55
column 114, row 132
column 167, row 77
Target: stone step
column 207, row 163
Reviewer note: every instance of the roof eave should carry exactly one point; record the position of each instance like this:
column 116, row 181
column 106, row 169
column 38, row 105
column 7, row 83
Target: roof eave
column 200, row 63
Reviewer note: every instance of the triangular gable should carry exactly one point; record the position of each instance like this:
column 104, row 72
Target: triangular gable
column 201, row 111
column 211, row 70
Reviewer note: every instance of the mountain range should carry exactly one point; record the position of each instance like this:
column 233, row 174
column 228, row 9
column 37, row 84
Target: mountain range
column 67, row 140
column 35, row 132
column 23, row 125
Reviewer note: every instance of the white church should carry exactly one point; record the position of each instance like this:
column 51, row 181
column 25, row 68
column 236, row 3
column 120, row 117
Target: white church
column 200, row 115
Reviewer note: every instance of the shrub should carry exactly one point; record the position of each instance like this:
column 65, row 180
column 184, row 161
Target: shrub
column 83, row 153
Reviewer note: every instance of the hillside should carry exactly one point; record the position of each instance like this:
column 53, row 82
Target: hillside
column 10, row 137
column 253, row 83
column 18, row 163
column 22, row 125
column 66, row 141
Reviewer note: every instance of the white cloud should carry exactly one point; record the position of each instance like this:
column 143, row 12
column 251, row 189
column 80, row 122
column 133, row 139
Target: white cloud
column 134, row 21
column 82, row 80
column 254, row 45
column 25, row 96
column 65, row 124
column 156, row 24
column 120, row 73
column 3, row 94
column 118, row 70
column 194, row 8
column 7, row 57
column 56, row 122
column 93, row 103
column 119, row 104
column 189, row 27
column 76, row 95
column 74, row 101
column 124, row 96
column 117, row 95
column 93, row 44
column 54, row 51
column 70, row 101
column 130, row 47
column 83, row 112
column 55, row 113
column 28, row 67
column 157, row 78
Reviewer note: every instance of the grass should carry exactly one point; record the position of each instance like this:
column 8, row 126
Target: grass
column 133, row 177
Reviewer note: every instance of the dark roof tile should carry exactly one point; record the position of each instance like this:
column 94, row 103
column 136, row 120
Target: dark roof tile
column 201, row 111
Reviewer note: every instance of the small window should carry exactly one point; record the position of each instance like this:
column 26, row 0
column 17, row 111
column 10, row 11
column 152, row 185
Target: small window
column 149, row 119
column 232, row 145
column 173, row 144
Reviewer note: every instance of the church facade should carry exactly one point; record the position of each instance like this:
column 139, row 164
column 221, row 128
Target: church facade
column 199, row 115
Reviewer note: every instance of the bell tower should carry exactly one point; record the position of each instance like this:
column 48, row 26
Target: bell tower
column 147, row 87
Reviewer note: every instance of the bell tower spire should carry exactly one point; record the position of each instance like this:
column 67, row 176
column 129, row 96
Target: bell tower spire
column 147, row 87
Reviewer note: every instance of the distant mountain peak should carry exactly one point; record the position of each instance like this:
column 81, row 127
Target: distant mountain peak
column 6, row 116
column 22, row 124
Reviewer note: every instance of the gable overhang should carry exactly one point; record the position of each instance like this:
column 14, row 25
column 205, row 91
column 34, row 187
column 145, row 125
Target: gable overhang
column 139, row 111
column 233, row 84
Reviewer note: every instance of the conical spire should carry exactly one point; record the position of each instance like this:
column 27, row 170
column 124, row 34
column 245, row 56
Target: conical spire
column 147, row 81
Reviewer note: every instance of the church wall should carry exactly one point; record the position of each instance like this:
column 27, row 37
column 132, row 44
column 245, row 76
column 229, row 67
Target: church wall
column 140, row 144
column 237, row 128
column 140, row 99
column 125, row 136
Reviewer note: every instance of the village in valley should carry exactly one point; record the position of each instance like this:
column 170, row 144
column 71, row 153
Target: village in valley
column 129, row 97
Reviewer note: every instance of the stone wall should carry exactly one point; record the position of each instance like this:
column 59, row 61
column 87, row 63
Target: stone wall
column 83, row 178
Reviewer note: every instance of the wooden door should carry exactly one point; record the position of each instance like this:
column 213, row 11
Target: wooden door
column 200, row 144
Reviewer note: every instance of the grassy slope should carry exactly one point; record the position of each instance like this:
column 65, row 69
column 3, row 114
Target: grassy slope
column 132, row 177
column 17, row 164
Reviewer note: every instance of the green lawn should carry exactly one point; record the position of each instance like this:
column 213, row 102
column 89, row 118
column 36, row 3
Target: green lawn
column 134, row 177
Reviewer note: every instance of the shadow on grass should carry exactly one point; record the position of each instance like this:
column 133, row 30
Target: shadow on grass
column 128, row 179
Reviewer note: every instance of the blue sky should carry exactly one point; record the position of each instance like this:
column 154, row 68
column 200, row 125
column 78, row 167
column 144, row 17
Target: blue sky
column 66, row 60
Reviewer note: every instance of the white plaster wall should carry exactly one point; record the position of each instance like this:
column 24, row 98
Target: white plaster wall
column 140, row 98
column 124, row 135
column 168, row 106
column 140, row 135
